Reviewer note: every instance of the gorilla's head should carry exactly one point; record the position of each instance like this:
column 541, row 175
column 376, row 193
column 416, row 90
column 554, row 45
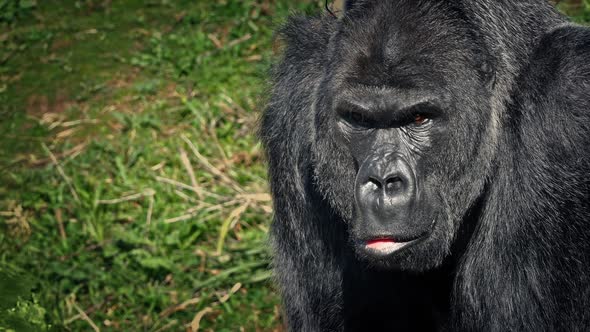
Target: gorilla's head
column 404, row 128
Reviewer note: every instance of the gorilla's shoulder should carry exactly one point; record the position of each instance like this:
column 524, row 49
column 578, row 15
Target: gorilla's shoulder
column 572, row 37
column 562, row 55
column 559, row 70
column 552, row 101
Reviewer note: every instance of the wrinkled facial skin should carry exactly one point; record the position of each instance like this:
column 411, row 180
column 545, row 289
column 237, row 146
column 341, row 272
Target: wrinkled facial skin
column 392, row 207
column 405, row 113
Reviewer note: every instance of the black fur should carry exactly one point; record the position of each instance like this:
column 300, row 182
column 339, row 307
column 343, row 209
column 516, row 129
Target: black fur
column 509, row 170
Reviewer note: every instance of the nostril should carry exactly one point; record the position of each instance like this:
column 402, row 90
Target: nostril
column 393, row 179
column 375, row 183
column 394, row 183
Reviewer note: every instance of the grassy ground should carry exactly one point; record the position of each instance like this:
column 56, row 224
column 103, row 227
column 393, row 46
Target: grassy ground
column 132, row 191
column 132, row 194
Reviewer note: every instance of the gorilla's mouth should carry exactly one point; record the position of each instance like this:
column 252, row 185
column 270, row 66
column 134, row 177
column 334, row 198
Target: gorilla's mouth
column 386, row 246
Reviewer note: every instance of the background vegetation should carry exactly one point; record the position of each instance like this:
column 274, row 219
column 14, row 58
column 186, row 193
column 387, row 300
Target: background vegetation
column 132, row 190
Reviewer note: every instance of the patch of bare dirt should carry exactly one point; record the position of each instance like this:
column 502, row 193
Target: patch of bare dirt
column 38, row 105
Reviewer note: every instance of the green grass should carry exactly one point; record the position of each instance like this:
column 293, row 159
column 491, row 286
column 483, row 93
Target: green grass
column 132, row 190
column 132, row 187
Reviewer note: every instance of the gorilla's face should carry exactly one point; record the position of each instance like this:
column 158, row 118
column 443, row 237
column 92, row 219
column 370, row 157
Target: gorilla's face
column 399, row 117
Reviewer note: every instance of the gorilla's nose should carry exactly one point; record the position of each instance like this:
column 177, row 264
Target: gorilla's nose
column 391, row 186
column 385, row 188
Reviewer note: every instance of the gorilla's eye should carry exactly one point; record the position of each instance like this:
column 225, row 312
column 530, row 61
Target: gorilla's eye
column 420, row 119
column 356, row 119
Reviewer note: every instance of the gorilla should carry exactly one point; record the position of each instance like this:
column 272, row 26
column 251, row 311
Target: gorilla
column 429, row 162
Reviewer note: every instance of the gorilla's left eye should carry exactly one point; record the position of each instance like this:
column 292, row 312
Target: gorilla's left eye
column 356, row 119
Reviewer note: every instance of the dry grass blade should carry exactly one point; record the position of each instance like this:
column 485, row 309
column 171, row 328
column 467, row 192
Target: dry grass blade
column 231, row 292
column 215, row 40
column 85, row 317
column 183, row 217
column 179, row 307
column 229, row 45
column 79, row 122
column 60, row 224
column 192, row 212
column 225, row 227
column 187, row 187
column 212, row 169
column 195, row 324
column 61, row 172
column 66, row 133
column 213, row 134
column 167, row 326
column 259, row 200
column 158, row 167
column 240, row 40
column 188, row 216
column 175, row 183
column 185, row 196
column 133, row 197
column 191, row 173
column 70, row 154
column 261, row 197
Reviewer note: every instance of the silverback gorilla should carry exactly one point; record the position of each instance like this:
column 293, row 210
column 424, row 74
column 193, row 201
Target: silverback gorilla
column 430, row 168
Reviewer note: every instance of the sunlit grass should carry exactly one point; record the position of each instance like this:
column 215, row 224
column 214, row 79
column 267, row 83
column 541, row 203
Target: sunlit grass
column 133, row 191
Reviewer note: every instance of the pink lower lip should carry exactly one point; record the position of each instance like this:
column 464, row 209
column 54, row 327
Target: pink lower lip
column 385, row 246
column 380, row 244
